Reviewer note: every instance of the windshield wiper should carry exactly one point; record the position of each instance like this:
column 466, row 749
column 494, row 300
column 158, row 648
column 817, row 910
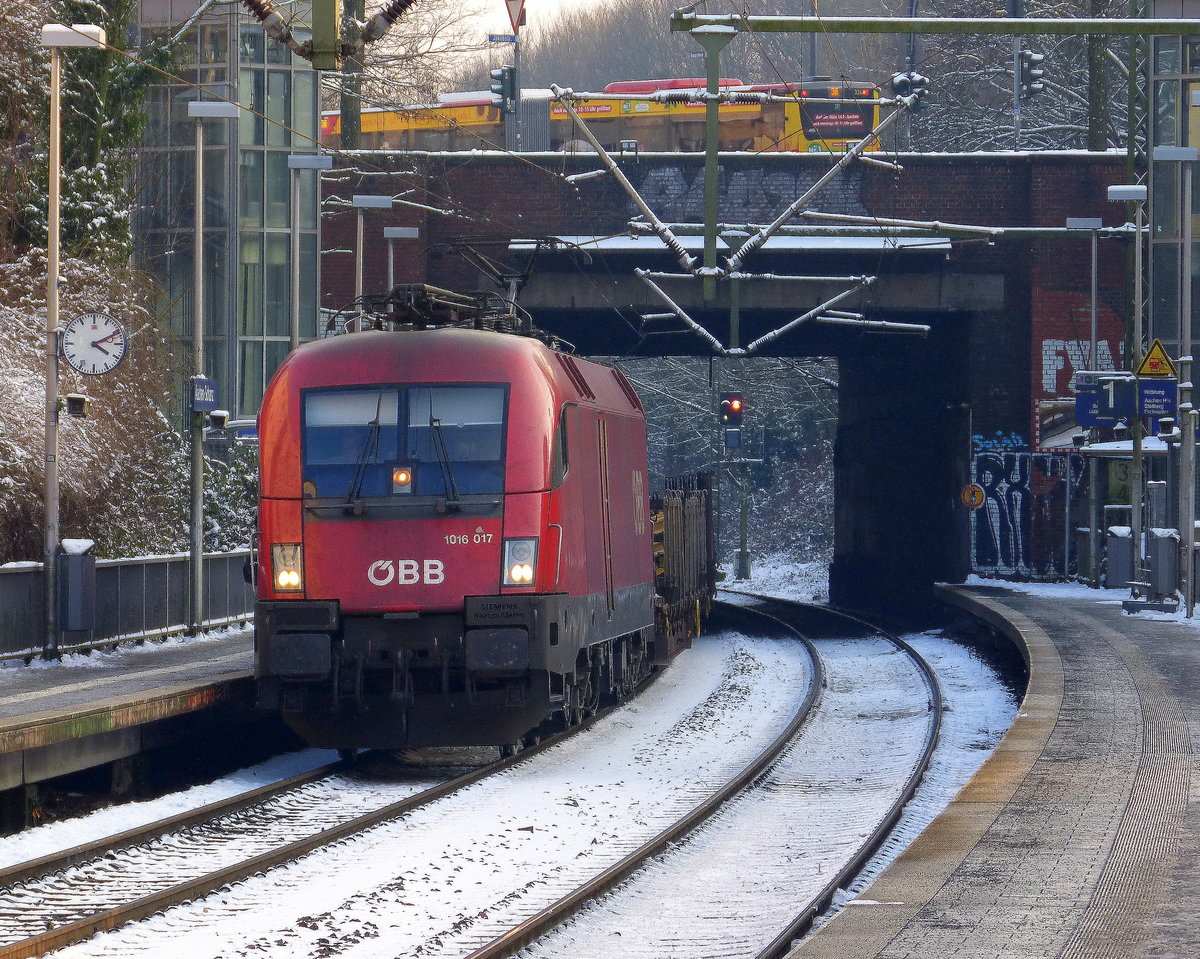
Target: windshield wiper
column 439, row 445
column 370, row 451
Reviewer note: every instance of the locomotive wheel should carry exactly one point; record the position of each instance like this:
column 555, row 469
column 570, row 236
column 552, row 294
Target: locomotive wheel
column 628, row 681
column 570, row 707
column 589, row 688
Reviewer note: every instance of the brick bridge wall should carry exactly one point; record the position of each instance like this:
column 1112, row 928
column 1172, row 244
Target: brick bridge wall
column 1009, row 361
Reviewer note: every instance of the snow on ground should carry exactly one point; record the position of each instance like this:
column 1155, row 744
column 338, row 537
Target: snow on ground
column 512, row 843
column 978, row 709
column 127, row 651
column 1080, row 591
column 778, row 575
column 67, row 833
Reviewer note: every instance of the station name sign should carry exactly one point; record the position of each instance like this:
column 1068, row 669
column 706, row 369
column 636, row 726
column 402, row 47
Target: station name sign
column 204, row 395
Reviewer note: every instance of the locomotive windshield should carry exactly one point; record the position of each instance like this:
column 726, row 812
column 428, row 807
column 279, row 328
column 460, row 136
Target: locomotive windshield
column 404, row 441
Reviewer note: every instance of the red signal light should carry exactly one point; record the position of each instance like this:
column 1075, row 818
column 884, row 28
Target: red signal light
column 731, row 409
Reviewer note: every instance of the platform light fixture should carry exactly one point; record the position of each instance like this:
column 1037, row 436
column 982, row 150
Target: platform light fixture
column 55, row 36
column 1135, row 193
column 362, row 202
column 199, row 110
column 297, row 162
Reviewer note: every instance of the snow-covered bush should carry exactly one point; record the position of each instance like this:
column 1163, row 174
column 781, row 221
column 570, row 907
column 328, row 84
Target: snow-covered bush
column 122, row 469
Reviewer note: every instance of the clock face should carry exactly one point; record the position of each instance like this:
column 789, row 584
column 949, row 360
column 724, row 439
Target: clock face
column 94, row 343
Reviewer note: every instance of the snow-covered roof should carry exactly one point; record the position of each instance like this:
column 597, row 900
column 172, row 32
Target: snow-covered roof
column 814, row 244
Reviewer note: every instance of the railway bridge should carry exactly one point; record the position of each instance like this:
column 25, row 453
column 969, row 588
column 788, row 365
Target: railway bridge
column 920, row 416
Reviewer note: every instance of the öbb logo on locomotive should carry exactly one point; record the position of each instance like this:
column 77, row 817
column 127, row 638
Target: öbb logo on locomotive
column 407, row 572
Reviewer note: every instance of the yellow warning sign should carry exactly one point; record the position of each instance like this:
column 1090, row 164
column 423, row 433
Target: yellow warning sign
column 1156, row 362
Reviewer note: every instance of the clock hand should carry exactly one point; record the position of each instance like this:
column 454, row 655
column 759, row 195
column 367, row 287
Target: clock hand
column 103, row 339
column 97, row 346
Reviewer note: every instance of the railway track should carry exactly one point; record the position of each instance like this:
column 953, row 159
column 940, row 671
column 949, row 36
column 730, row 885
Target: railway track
column 629, row 923
column 466, row 933
column 66, row 897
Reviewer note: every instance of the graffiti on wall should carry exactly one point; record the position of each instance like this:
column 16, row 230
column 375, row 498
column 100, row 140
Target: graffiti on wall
column 676, row 193
column 1062, row 359
column 1000, row 527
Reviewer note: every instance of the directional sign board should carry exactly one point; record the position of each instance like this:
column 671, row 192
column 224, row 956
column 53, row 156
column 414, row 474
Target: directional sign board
column 1158, row 397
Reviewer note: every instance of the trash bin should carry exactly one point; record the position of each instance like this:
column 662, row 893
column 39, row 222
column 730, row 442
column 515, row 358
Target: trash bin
column 1118, row 550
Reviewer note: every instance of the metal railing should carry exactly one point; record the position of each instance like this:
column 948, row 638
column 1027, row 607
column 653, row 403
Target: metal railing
column 143, row 598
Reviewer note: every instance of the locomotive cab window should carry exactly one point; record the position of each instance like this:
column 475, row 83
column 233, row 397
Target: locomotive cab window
column 404, row 441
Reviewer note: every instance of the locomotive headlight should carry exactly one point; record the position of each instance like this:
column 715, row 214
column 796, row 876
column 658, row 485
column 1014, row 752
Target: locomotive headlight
column 402, row 478
column 287, row 566
column 520, row 560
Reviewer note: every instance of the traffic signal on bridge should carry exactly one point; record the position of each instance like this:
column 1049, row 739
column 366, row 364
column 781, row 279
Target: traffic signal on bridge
column 504, row 87
column 1032, row 73
column 907, row 84
column 731, row 409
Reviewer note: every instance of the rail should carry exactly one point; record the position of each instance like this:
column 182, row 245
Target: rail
column 143, row 598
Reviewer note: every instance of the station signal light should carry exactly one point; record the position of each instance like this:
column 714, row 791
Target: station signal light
column 1032, row 73
column 504, row 87
column 731, row 410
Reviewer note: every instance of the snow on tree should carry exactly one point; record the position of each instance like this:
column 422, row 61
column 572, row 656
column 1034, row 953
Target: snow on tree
column 123, row 469
column 789, row 427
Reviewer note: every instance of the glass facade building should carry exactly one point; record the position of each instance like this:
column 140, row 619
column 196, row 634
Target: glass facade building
column 248, row 211
column 1175, row 121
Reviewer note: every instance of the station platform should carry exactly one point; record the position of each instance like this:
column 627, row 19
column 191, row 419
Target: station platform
column 59, row 718
column 1078, row 837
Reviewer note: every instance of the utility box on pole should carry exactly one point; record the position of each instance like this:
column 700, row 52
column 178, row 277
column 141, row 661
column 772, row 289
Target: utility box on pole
column 1164, row 562
column 76, row 592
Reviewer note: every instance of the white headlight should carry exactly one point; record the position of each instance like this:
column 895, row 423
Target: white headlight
column 287, row 567
column 520, row 561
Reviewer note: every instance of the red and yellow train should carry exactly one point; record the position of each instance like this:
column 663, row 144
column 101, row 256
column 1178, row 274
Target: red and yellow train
column 821, row 115
column 455, row 542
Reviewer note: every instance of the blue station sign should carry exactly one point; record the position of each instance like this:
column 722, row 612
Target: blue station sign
column 1104, row 399
column 204, row 395
column 1088, row 411
column 1158, row 397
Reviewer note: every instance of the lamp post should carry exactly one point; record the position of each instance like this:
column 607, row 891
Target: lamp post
column 361, row 202
column 55, row 36
column 296, row 163
column 1135, row 194
column 1093, row 225
column 1186, row 157
column 392, row 234
column 199, row 110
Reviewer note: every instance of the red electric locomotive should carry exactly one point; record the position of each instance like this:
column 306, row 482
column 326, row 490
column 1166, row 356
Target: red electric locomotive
column 454, row 540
